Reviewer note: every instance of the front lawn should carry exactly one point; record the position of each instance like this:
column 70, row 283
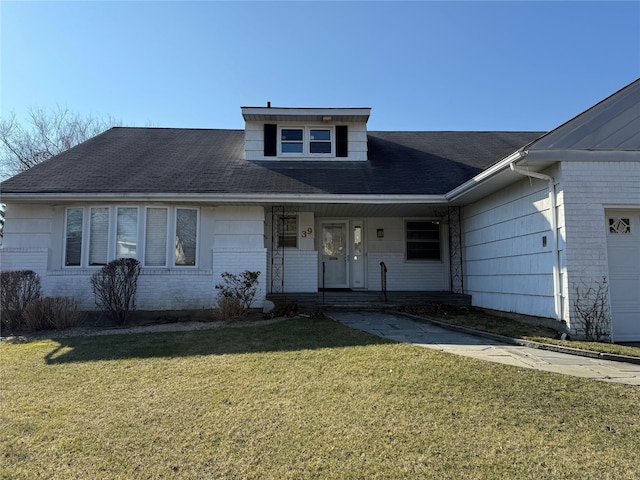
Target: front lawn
column 301, row 398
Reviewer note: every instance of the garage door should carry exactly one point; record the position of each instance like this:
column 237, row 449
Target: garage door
column 623, row 242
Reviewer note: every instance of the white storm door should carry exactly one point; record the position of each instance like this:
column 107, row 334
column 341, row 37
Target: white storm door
column 333, row 255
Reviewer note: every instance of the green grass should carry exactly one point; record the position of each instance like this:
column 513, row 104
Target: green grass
column 486, row 322
column 299, row 399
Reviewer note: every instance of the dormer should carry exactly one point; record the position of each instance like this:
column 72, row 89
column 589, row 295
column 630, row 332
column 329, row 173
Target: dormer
column 306, row 134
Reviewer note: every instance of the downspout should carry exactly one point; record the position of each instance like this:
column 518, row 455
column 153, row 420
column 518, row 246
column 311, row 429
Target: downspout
column 557, row 289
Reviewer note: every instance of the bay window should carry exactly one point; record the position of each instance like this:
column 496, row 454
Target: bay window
column 113, row 232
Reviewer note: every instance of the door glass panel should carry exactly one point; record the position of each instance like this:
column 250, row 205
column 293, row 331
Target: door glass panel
column 334, row 258
column 357, row 241
column 333, row 239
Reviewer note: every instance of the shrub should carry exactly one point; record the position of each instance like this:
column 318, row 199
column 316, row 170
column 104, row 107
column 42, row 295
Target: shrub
column 17, row 289
column 115, row 287
column 228, row 309
column 243, row 286
column 591, row 306
column 52, row 312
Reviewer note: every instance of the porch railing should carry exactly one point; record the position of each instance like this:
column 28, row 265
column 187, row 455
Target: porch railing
column 383, row 280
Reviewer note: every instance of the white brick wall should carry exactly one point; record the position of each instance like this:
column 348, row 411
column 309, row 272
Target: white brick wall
column 590, row 188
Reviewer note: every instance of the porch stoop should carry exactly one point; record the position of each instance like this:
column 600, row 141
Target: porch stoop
column 363, row 299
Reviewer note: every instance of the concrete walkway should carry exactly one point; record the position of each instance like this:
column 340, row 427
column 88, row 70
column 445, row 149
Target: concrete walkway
column 422, row 333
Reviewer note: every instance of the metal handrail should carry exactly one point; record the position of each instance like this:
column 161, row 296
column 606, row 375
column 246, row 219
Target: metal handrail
column 383, row 280
column 323, row 289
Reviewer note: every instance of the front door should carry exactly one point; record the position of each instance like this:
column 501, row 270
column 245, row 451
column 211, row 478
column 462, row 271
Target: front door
column 334, row 256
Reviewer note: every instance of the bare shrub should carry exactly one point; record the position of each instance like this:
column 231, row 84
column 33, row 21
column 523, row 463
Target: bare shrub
column 17, row 289
column 52, row 312
column 243, row 286
column 115, row 287
column 228, row 309
column 591, row 307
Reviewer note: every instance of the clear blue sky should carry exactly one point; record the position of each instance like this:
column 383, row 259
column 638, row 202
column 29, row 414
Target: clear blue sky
column 418, row 65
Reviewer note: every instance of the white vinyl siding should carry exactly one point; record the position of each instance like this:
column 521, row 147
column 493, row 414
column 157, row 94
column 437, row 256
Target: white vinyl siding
column 98, row 236
column 155, row 250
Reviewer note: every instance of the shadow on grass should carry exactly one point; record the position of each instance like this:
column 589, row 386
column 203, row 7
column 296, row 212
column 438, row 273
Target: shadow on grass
column 288, row 335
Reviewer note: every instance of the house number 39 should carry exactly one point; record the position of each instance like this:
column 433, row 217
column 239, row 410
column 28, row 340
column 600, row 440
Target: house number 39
column 307, row 232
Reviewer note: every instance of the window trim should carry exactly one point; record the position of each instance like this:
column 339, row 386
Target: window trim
column 172, row 245
column 406, row 239
column 306, row 141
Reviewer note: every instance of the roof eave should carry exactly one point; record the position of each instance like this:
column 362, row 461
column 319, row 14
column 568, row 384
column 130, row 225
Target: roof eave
column 222, row 198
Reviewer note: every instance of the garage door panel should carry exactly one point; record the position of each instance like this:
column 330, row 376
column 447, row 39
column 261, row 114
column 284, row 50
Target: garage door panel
column 623, row 250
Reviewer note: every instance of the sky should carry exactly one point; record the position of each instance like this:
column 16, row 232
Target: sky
column 419, row 65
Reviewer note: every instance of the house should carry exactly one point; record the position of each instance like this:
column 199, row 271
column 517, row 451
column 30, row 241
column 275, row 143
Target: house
column 312, row 199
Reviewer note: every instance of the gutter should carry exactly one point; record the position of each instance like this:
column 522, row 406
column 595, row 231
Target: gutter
column 470, row 185
column 557, row 288
column 226, row 198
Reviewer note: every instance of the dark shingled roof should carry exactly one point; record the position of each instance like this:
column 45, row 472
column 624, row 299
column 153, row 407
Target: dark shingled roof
column 187, row 161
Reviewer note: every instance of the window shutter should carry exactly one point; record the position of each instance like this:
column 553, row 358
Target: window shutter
column 342, row 141
column 270, row 140
column 155, row 247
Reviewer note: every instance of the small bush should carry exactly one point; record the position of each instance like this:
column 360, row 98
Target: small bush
column 17, row 289
column 243, row 286
column 228, row 309
column 52, row 312
column 592, row 311
column 115, row 287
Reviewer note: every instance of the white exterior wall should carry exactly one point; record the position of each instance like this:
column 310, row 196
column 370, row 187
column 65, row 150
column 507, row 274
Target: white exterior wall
column 402, row 274
column 254, row 142
column 238, row 245
column 230, row 239
column 590, row 188
column 505, row 265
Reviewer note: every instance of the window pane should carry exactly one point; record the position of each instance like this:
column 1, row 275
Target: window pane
column 321, row 135
column 320, row 147
column 291, row 134
column 288, row 235
column 186, row 227
column 127, row 235
column 155, row 247
column 423, row 241
column 73, row 237
column 98, row 236
column 291, row 148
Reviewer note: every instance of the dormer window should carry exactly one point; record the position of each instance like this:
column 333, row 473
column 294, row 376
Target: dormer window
column 305, row 134
column 307, row 141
